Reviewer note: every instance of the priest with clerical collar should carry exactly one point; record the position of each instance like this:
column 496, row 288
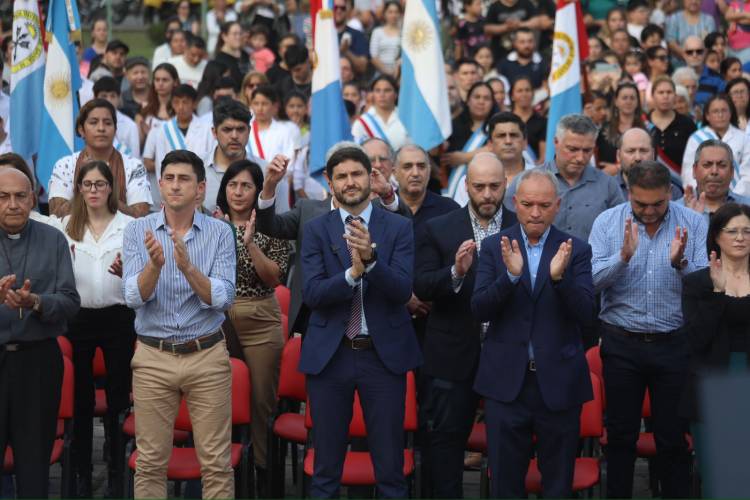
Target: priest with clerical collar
column 37, row 298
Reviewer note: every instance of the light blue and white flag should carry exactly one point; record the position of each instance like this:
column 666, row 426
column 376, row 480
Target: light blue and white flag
column 329, row 123
column 423, row 97
column 569, row 48
column 26, row 78
column 61, row 83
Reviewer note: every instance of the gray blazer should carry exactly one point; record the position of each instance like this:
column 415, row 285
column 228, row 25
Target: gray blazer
column 289, row 226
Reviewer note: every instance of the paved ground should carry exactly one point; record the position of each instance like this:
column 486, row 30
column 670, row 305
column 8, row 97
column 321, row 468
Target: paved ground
column 471, row 478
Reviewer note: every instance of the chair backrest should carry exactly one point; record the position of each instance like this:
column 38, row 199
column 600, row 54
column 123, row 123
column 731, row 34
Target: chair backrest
column 291, row 380
column 284, row 296
column 357, row 426
column 594, row 359
column 592, row 424
column 285, row 326
column 646, row 408
column 65, row 346
column 67, row 393
column 182, row 422
column 241, row 392
column 100, row 368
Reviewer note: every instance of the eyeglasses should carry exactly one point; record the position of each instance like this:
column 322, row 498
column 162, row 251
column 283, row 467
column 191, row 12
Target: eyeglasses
column 694, row 52
column 720, row 111
column 94, row 186
column 738, row 93
column 735, row 231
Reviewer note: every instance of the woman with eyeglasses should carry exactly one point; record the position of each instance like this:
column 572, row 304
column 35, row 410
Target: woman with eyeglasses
column 657, row 64
column 626, row 113
column 738, row 90
column 250, row 82
column 715, row 301
column 720, row 122
column 94, row 230
column 669, row 130
column 262, row 264
column 97, row 125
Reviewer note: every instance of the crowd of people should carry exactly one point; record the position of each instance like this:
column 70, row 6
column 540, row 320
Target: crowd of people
column 481, row 265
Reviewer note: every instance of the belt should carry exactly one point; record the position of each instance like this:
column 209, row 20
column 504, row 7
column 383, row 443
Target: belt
column 23, row 346
column 646, row 337
column 188, row 347
column 358, row 343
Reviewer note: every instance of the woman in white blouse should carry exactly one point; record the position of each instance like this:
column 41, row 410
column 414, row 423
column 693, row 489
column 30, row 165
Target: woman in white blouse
column 381, row 119
column 720, row 119
column 385, row 41
column 94, row 230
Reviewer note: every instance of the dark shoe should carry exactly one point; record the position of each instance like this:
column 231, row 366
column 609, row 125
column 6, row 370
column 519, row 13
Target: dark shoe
column 83, row 485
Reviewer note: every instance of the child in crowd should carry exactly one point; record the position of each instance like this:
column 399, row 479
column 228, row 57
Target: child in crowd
column 470, row 30
column 258, row 50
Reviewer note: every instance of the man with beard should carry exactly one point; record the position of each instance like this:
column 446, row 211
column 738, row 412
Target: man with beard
column 445, row 276
column 524, row 60
column 713, row 171
column 358, row 265
column 231, row 129
column 641, row 251
column 585, row 191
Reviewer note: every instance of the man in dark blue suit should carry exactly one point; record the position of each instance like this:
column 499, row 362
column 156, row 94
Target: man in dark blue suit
column 445, row 274
column 357, row 264
column 534, row 286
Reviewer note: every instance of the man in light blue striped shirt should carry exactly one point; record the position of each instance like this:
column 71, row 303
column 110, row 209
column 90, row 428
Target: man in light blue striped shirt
column 641, row 250
column 179, row 275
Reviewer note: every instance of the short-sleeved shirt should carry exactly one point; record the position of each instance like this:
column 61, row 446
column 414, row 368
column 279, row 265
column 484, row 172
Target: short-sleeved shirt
column 500, row 13
column 358, row 44
column 673, row 139
column 471, row 35
column 137, row 190
column 678, row 29
column 537, row 69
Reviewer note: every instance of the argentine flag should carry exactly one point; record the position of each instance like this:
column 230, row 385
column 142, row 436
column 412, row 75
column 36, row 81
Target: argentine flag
column 329, row 122
column 61, row 83
column 26, row 78
column 423, row 96
column 569, row 48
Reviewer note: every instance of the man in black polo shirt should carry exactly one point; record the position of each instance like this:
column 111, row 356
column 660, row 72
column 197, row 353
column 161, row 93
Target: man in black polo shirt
column 524, row 60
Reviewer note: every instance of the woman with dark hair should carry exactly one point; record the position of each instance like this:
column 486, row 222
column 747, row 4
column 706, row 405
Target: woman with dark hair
column 626, row 113
column 94, row 230
column 229, row 51
column 381, row 119
column 730, row 68
column 738, row 91
column 212, row 75
column 158, row 108
column 720, row 122
column 385, row 40
column 270, row 137
column 669, row 129
column 262, row 264
column 715, row 301
column 522, row 99
column 468, row 137
column 97, row 125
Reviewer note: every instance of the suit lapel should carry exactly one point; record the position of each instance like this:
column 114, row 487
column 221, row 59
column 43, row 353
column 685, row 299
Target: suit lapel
column 336, row 234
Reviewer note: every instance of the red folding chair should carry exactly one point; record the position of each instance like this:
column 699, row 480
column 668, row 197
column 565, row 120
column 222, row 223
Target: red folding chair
column 284, row 296
column 358, row 467
column 61, row 448
column 65, row 347
column 587, row 470
column 286, row 426
column 184, row 465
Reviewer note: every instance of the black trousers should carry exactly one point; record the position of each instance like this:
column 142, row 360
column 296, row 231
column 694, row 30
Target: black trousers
column 630, row 366
column 111, row 329
column 30, row 383
column 510, row 431
column 446, row 416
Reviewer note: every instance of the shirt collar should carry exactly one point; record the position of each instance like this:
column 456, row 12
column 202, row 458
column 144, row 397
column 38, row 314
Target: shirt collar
column 542, row 239
column 496, row 219
column 586, row 176
column 536, row 57
column 199, row 220
column 366, row 214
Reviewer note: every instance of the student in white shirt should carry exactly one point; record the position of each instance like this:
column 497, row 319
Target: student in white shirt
column 97, row 124
column 232, row 130
column 173, row 45
column 192, row 62
column 183, row 131
column 94, row 230
column 128, row 141
column 268, row 136
column 382, row 120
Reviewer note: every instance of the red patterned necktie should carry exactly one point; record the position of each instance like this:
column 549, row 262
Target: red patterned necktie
column 354, row 326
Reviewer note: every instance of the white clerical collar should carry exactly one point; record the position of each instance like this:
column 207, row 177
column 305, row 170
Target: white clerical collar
column 16, row 236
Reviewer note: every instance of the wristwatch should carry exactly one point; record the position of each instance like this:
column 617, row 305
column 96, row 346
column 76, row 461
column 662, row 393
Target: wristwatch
column 682, row 265
column 37, row 307
column 374, row 255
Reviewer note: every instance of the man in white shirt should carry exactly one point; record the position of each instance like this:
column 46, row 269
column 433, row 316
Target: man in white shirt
column 192, row 62
column 184, row 131
column 231, row 130
column 127, row 139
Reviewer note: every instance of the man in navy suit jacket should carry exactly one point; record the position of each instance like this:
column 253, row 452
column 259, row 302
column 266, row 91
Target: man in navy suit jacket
column 534, row 286
column 357, row 263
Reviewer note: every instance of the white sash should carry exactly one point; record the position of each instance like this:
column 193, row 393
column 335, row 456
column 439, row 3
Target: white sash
column 476, row 141
column 174, row 135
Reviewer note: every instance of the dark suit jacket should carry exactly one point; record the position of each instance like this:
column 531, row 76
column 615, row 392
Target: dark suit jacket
column 433, row 205
column 550, row 316
column 707, row 334
column 387, row 289
column 451, row 344
column 289, row 226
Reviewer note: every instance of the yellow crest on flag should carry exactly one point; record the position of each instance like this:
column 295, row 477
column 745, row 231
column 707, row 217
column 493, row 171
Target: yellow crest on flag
column 27, row 40
column 418, row 35
column 563, row 53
